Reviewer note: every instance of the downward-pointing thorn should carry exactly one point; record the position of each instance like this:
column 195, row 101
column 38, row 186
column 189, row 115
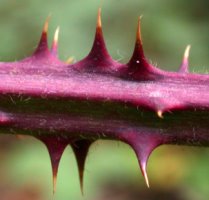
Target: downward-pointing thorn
column 160, row 114
column 143, row 144
column 143, row 166
column 185, row 61
column 54, row 183
column 55, row 147
column 80, row 149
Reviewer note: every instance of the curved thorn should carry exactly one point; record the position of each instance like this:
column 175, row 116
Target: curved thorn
column 184, row 68
column 143, row 154
column 55, row 40
column 143, row 166
column 143, row 145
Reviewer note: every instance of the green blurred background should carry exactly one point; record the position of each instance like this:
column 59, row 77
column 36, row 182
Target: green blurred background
column 112, row 170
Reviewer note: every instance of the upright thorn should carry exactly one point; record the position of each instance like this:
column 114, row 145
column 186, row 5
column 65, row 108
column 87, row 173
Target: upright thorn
column 187, row 50
column 99, row 34
column 99, row 21
column 81, row 148
column 99, row 53
column 43, row 43
column 138, row 32
column 46, row 25
column 138, row 65
column 138, row 51
column 55, row 41
column 184, row 68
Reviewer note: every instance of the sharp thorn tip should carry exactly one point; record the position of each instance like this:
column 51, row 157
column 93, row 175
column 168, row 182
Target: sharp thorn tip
column 185, row 61
column 144, row 172
column 186, row 53
column 54, row 183
column 56, row 34
column 138, row 33
column 99, row 21
column 46, row 24
column 55, row 40
column 160, row 114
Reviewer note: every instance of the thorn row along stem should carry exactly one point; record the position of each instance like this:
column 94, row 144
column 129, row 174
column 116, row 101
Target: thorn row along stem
column 63, row 103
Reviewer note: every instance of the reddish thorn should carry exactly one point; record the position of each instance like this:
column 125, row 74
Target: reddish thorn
column 99, row 44
column 138, row 32
column 81, row 148
column 185, row 61
column 143, row 154
column 138, row 54
column 55, row 41
column 99, row 51
column 55, row 146
column 46, row 25
column 143, row 144
column 138, row 66
column 43, row 43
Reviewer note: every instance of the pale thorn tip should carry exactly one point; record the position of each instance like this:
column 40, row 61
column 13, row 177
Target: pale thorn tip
column 160, row 114
column 144, row 172
column 56, row 35
column 186, row 52
column 185, row 61
column 54, row 183
column 46, row 24
column 69, row 60
column 146, row 180
column 138, row 33
column 99, row 21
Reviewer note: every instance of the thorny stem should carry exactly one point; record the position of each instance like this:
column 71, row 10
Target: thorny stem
column 98, row 98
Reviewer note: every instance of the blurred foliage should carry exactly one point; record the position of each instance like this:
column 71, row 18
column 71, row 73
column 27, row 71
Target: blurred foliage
column 167, row 27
